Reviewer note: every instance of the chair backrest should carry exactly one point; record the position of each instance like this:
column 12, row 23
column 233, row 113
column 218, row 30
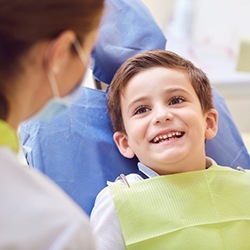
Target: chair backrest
column 77, row 151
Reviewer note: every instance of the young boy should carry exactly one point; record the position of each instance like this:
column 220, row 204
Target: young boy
column 162, row 112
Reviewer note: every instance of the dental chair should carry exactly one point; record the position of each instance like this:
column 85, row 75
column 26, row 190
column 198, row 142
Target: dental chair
column 76, row 150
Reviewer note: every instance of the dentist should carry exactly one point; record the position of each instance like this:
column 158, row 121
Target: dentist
column 44, row 52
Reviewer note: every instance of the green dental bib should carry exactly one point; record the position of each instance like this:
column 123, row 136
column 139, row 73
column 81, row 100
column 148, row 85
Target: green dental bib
column 207, row 209
column 8, row 136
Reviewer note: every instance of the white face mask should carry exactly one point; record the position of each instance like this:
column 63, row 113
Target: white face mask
column 60, row 105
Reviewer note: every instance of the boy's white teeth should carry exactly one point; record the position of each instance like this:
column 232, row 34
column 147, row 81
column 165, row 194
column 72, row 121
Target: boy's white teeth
column 168, row 136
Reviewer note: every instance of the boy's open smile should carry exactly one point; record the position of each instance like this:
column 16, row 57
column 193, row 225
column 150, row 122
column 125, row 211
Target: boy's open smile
column 168, row 136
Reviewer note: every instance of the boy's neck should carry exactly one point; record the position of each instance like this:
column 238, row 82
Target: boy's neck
column 151, row 173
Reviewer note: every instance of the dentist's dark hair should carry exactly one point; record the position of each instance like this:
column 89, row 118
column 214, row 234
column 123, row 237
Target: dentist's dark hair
column 23, row 23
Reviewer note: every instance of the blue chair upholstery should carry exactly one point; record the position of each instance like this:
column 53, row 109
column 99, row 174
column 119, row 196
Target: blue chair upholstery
column 127, row 29
column 76, row 150
column 227, row 148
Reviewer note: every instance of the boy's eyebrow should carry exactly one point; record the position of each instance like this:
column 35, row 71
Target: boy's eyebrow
column 172, row 90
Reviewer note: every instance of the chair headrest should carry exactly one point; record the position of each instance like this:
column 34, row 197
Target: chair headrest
column 127, row 29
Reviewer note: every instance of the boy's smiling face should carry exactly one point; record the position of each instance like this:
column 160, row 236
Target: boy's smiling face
column 165, row 125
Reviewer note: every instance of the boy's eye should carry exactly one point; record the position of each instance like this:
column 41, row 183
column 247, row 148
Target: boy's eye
column 176, row 100
column 141, row 109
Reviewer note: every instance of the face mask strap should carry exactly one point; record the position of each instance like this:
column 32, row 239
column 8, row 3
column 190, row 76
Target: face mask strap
column 80, row 52
column 51, row 77
column 53, row 84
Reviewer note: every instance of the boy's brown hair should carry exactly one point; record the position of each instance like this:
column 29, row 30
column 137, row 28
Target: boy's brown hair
column 147, row 60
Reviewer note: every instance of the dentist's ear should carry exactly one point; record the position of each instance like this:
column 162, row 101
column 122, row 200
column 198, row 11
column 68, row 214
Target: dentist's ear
column 212, row 124
column 121, row 142
column 59, row 51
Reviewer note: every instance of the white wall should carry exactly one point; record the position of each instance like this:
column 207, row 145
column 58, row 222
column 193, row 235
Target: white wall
column 161, row 10
column 223, row 22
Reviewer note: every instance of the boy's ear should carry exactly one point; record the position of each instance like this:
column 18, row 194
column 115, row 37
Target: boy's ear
column 121, row 141
column 212, row 124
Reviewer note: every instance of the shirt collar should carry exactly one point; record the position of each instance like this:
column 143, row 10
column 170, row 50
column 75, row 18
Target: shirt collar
column 8, row 136
column 147, row 171
column 151, row 173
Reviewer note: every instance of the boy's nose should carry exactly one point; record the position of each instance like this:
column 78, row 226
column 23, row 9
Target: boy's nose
column 163, row 116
